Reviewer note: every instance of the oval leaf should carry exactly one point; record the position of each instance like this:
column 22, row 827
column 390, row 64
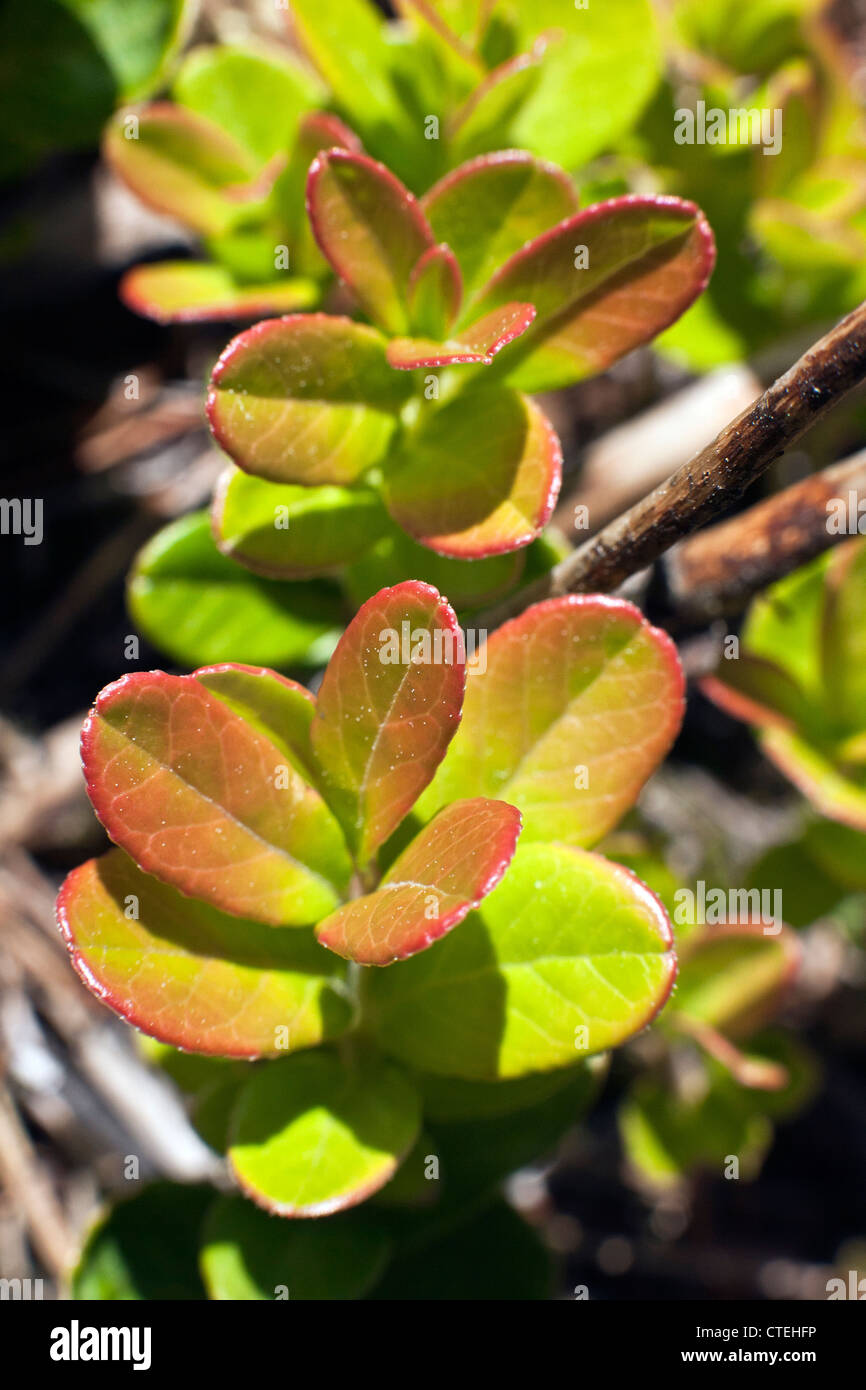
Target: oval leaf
column 200, row 607
column 247, row 1255
column 435, row 292
column 468, row 487
column 490, row 207
column 578, row 702
column 450, row 866
column 288, row 532
column 192, row 976
column 370, row 228
column 194, row 291
column 206, row 802
column 308, row 399
column 388, row 705
column 603, row 282
column 569, row 956
column 312, row 1136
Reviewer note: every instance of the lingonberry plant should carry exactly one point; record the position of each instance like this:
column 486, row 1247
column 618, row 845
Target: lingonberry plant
column 408, row 446
column 438, row 844
column 227, row 156
column 799, row 678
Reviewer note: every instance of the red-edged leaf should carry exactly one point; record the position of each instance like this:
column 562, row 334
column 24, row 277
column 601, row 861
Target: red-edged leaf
column 645, row 260
column 370, row 228
column 196, row 291
column 182, row 164
column 205, row 800
column 479, row 343
column 448, row 868
column 490, row 207
column 388, row 705
column 435, row 291
column 308, row 398
column 478, row 477
column 572, row 706
column 192, row 976
column 317, row 131
column 814, row 772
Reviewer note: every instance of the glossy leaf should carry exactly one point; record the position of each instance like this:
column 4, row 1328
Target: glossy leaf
column 207, row 802
column 305, row 399
column 477, row 477
column 194, row 291
column 569, row 956
column 387, row 707
column 277, row 707
column 192, row 976
column 146, row 1247
column 182, row 164
column 579, row 701
column 370, row 228
column 200, row 607
column 478, row 343
column 257, row 99
column 450, row 866
column 248, row 1255
column 290, row 532
column 435, row 291
column 646, row 259
column 487, row 209
column 312, row 1135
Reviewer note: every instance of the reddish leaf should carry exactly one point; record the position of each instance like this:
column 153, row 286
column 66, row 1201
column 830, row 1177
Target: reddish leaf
column 479, row 343
column 572, row 706
column 448, row 868
column 370, row 228
column 183, row 165
column 435, row 291
column 194, row 291
column 305, row 399
column 490, row 207
column 205, row 800
column 192, row 976
column 388, row 705
column 477, row 477
column 647, row 258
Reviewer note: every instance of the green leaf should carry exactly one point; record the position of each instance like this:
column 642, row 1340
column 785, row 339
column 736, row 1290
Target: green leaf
column 208, row 802
column 138, row 38
column 844, row 635
column 448, row 868
column 318, row 130
column 196, row 291
column 305, row 399
column 312, row 1136
column 183, row 165
column 477, row 477
column 145, row 1248
column 600, row 67
column 569, row 955
column 817, row 776
column 192, row 976
column 247, row 1255
column 571, row 706
column 387, row 707
column 489, row 208
column 484, row 120
column 200, row 607
column 346, row 41
column 733, row 975
column 494, row 1256
column 603, row 282
column 468, row 583
column 289, row 532
column 371, row 230
column 259, row 100
column 783, row 625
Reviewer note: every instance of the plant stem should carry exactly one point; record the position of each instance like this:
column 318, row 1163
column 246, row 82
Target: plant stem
column 696, row 493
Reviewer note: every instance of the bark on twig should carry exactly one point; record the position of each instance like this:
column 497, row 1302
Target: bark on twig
column 696, row 493
column 718, row 570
